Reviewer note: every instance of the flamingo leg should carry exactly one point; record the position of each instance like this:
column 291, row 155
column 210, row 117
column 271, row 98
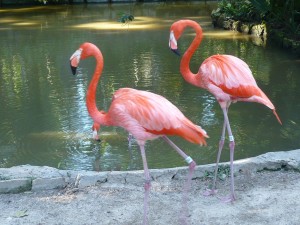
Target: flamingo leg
column 187, row 186
column 147, row 184
column 232, row 197
column 221, row 144
column 213, row 190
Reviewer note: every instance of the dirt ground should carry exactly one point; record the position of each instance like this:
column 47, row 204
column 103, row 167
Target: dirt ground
column 263, row 198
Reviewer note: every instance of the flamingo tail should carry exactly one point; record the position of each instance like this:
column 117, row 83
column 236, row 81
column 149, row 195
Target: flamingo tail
column 194, row 134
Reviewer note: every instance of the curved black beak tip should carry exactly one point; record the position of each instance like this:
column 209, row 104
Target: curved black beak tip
column 176, row 51
column 73, row 68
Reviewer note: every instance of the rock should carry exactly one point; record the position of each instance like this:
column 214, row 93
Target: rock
column 259, row 30
column 90, row 178
column 36, row 178
column 48, row 183
column 245, row 28
column 15, row 185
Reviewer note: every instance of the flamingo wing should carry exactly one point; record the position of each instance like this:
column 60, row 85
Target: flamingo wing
column 146, row 113
column 232, row 75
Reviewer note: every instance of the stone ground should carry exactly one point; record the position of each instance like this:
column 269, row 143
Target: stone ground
column 267, row 189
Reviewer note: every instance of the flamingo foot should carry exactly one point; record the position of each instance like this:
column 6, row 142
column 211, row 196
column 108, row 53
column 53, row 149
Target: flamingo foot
column 210, row 192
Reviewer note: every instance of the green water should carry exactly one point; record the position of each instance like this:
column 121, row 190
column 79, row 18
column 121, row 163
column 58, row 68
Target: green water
column 43, row 116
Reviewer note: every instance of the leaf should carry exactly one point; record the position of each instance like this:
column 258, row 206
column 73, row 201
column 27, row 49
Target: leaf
column 222, row 176
column 21, row 213
column 125, row 18
column 131, row 17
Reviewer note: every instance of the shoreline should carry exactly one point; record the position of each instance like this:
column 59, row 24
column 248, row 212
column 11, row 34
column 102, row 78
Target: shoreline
column 24, row 178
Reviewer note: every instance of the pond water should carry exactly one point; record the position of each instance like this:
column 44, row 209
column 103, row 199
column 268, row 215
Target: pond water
column 43, row 116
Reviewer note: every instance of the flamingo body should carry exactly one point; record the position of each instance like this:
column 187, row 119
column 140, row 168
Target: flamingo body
column 143, row 114
column 147, row 116
column 227, row 77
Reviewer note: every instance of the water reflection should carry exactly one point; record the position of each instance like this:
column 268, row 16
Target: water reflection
column 140, row 23
column 44, row 120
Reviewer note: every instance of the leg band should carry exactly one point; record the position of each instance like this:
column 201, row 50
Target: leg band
column 231, row 138
column 188, row 160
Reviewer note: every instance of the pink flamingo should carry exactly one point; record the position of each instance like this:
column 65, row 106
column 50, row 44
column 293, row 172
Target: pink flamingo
column 143, row 114
column 227, row 77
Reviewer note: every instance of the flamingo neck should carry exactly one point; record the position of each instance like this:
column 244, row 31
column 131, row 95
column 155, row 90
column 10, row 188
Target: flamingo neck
column 188, row 75
column 98, row 116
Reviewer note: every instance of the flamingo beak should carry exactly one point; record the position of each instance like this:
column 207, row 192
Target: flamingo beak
column 74, row 60
column 176, row 51
column 73, row 68
column 173, row 44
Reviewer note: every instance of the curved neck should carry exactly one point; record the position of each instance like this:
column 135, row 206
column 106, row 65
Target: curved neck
column 187, row 74
column 97, row 116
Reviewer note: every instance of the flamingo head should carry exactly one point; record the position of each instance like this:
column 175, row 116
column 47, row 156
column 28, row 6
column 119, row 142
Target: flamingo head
column 177, row 29
column 85, row 50
column 95, row 129
column 175, row 33
column 173, row 43
column 75, row 59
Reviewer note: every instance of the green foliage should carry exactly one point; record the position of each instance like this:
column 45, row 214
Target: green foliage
column 280, row 14
column 239, row 10
column 262, row 7
column 283, row 16
column 125, row 18
column 223, row 172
